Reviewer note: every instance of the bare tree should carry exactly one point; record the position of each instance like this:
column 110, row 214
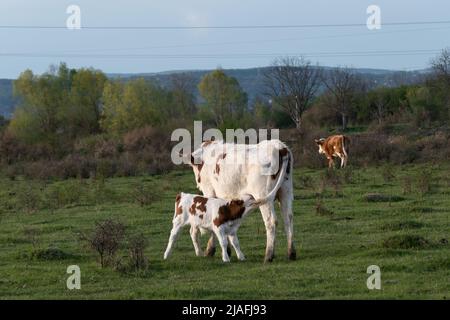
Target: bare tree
column 292, row 83
column 441, row 66
column 343, row 87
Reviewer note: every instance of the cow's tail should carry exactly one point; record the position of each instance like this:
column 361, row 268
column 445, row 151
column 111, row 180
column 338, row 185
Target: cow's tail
column 282, row 174
column 345, row 145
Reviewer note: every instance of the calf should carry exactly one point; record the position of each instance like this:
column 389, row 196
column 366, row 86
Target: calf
column 220, row 216
column 334, row 146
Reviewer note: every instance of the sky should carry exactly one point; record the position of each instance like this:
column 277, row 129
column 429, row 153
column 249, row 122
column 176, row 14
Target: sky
column 398, row 47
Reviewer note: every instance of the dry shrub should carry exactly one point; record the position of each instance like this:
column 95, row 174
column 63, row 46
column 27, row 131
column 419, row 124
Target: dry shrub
column 406, row 242
column 423, row 181
column 388, row 173
column 106, row 240
column 321, row 210
column 136, row 246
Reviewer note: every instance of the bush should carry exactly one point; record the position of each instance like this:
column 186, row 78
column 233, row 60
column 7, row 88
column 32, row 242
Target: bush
column 51, row 253
column 423, row 181
column 136, row 246
column 387, row 172
column 378, row 197
column 105, row 240
column 321, row 210
column 143, row 194
column 59, row 195
column 29, row 199
column 406, row 242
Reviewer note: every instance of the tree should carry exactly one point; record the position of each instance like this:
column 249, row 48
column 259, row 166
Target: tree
column 182, row 89
column 441, row 66
column 292, row 83
column 82, row 112
column 343, row 88
column 225, row 99
column 58, row 105
column 440, row 83
column 134, row 104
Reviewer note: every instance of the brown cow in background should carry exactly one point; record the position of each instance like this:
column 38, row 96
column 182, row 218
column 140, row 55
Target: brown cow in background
column 334, row 146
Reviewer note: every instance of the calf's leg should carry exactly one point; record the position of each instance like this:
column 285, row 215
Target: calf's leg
column 177, row 224
column 223, row 241
column 195, row 241
column 235, row 243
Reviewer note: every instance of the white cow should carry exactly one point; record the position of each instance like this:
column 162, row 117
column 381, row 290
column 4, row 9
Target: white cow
column 227, row 171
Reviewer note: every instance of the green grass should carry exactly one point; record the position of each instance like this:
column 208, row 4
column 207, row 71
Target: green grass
column 407, row 238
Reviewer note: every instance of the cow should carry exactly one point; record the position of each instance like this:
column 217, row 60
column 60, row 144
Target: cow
column 220, row 216
column 228, row 170
column 334, row 146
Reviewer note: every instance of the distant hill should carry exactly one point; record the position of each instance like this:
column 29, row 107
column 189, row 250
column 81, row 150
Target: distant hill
column 250, row 79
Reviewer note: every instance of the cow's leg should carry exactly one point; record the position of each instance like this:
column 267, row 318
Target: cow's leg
column 269, row 217
column 342, row 160
column 177, row 224
column 195, row 241
column 223, row 241
column 285, row 196
column 330, row 163
column 235, row 243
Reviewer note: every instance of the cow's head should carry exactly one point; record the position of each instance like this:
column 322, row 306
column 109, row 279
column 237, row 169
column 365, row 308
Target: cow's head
column 197, row 160
column 319, row 143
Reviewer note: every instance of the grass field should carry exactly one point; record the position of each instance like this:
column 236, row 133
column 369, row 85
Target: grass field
column 404, row 230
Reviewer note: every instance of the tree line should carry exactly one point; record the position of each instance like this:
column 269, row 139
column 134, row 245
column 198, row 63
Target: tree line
column 64, row 105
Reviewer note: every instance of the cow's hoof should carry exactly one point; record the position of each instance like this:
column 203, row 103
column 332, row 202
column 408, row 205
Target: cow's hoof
column 210, row 252
column 268, row 259
column 292, row 254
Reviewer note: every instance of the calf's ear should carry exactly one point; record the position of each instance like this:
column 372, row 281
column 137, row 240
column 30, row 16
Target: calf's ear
column 317, row 141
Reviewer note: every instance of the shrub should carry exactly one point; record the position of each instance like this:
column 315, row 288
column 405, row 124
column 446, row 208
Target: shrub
column 136, row 246
column 29, row 199
column 105, row 240
column 32, row 236
column 305, row 182
column 387, row 172
column 59, row 195
column 321, row 210
column 407, row 183
column 143, row 194
column 423, row 181
column 51, row 253
column 406, row 242
column 333, row 179
column 378, row 197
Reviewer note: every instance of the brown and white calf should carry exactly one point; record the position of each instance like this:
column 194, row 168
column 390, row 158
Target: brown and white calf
column 334, row 146
column 219, row 216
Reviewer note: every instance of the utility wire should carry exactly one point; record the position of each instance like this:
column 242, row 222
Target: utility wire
column 224, row 56
column 292, row 26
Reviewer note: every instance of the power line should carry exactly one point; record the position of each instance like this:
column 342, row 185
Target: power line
column 292, row 26
column 193, row 45
column 224, row 56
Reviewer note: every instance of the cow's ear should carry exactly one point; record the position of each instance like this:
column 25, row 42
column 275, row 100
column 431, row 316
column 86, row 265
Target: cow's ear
column 318, row 142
